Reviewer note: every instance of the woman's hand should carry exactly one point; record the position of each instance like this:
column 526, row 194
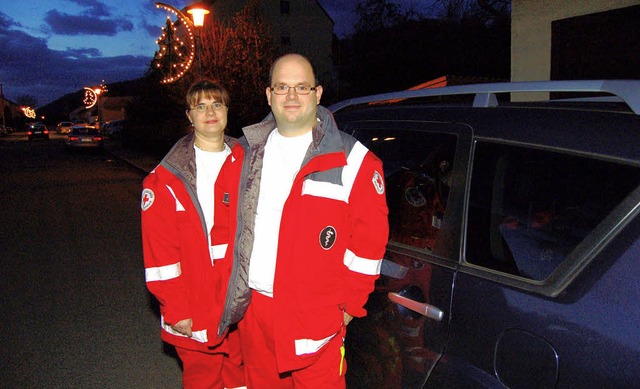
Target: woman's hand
column 183, row 327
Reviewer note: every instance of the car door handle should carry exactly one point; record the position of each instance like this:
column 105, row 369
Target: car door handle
column 424, row 309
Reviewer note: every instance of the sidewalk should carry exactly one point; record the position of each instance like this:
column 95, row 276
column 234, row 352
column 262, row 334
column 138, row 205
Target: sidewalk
column 136, row 159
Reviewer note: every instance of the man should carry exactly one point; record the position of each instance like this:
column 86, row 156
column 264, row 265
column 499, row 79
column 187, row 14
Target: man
column 313, row 229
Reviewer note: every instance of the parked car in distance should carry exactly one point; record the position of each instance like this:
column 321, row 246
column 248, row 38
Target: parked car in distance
column 514, row 250
column 38, row 131
column 82, row 137
column 64, row 127
column 113, row 129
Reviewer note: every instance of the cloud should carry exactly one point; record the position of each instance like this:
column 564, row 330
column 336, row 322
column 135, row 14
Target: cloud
column 96, row 8
column 82, row 53
column 29, row 67
column 65, row 24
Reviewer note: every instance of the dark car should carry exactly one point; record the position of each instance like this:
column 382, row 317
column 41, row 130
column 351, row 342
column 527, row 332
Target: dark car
column 82, row 137
column 38, row 131
column 113, row 129
column 514, row 252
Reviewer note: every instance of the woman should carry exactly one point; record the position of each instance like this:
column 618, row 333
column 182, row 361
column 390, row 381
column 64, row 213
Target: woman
column 188, row 224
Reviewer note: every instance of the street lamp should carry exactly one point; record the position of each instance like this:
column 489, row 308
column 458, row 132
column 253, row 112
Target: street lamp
column 198, row 12
column 98, row 91
column 2, row 105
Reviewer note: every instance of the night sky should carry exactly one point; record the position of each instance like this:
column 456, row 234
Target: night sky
column 49, row 48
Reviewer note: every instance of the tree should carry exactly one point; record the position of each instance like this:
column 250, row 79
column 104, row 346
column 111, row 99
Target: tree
column 374, row 15
column 238, row 55
column 416, row 49
column 486, row 11
column 251, row 55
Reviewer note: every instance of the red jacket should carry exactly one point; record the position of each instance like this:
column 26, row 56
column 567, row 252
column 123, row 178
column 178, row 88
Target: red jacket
column 179, row 271
column 333, row 234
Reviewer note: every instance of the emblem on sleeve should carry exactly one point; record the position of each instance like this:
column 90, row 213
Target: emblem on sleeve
column 147, row 199
column 327, row 237
column 378, row 182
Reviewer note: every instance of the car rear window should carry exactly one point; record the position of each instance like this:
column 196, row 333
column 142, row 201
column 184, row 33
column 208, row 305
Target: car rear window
column 85, row 131
column 417, row 167
column 529, row 208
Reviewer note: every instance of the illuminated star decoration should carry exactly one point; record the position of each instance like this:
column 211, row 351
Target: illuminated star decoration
column 174, row 58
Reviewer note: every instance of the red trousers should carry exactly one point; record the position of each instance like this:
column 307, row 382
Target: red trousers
column 213, row 371
column 258, row 351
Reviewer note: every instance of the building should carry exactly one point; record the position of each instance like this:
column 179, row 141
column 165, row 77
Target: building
column 110, row 108
column 587, row 39
column 12, row 113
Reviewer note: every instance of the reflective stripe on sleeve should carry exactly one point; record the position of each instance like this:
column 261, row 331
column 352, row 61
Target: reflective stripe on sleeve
column 310, row 346
column 218, row 251
column 349, row 173
column 162, row 273
column 324, row 189
column 179, row 206
column 361, row 265
column 198, row 336
column 354, row 161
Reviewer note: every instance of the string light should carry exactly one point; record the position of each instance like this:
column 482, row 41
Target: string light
column 90, row 97
column 185, row 63
column 29, row 112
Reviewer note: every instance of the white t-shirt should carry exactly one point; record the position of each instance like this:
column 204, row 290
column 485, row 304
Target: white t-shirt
column 283, row 157
column 208, row 165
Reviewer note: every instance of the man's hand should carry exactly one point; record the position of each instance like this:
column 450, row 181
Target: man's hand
column 183, row 327
column 347, row 318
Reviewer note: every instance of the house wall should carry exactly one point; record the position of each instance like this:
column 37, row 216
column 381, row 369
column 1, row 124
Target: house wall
column 531, row 34
column 531, row 31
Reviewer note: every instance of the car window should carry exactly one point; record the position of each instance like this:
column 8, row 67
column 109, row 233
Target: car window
column 417, row 167
column 530, row 208
column 85, row 131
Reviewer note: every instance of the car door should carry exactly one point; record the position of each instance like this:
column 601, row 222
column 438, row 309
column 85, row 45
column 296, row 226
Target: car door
column 405, row 331
column 546, row 295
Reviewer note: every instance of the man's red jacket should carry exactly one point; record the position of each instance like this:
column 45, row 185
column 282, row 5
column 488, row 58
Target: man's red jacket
column 333, row 235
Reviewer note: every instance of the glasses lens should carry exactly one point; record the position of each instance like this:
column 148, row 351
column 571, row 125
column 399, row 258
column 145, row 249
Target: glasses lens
column 283, row 89
column 203, row 107
column 302, row 89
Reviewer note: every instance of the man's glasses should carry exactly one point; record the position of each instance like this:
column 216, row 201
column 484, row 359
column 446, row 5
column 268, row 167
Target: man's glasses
column 202, row 108
column 301, row 89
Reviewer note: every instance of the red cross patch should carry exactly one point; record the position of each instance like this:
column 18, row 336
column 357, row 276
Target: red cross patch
column 147, row 199
column 378, row 182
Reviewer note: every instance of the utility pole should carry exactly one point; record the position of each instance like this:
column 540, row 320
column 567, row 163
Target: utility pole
column 2, row 104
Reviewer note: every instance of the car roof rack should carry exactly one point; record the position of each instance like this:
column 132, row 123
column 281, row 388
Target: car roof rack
column 627, row 91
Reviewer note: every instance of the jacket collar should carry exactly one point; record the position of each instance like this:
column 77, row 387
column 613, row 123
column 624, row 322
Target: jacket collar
column 325, row 133
column 181, row 158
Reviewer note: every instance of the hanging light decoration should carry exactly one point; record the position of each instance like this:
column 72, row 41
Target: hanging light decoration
column 172, row 45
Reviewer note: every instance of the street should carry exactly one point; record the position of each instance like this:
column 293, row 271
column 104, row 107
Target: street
column 76, row 312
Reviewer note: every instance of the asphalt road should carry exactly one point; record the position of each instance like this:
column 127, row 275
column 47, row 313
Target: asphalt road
column 75, row 310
